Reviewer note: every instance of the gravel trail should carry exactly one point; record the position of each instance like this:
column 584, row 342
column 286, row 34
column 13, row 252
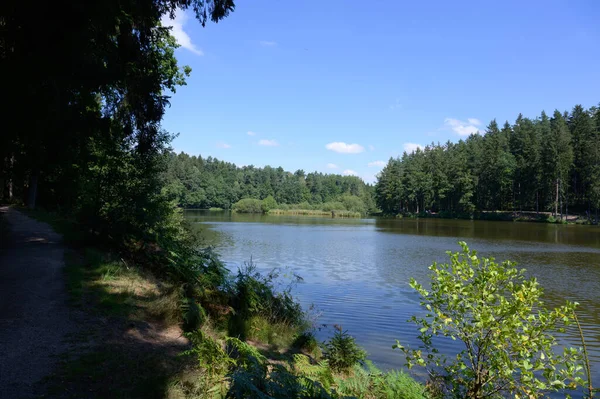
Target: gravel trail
column 35, row 319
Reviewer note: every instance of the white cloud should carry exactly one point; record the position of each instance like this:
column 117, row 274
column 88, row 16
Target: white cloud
column 221, row 144
column 370, row 178
column 376, row 163
column 268, row 143
column 332, row 166
column 349, row 172
column 412, row 147
column 268, row 43
column 250, row 133
column 461, row 127
column 183, row 39
column 371, row 147
column 396, row 105
column 345, row 148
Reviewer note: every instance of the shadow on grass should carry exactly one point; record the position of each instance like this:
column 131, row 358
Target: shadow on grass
column 128, row 351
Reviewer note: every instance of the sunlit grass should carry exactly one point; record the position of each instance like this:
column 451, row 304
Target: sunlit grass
column 309, row 212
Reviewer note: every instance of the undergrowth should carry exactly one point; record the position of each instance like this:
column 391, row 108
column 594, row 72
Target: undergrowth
column 247, row 336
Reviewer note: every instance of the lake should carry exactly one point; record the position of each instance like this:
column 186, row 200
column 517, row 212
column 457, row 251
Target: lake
column 356, row 271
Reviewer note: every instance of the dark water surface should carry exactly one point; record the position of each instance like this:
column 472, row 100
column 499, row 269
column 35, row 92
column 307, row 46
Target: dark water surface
column 356, row 271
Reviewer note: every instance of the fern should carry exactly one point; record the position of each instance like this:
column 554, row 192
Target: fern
column 209, row 354
column 319, row 372
column 192, row 313
column 246, row 356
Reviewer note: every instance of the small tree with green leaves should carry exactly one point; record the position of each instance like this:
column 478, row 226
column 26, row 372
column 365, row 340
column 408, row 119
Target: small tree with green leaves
column 342, row 351
column 497, row 313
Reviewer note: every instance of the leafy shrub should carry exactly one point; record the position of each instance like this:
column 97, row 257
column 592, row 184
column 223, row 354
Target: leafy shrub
column 193, row 314
column 333, row 206
column 307, row 342
column 342, row 352
column 506, row 330
column 354, row 204
column 248, row 205
column 303, row 205
column 246, row 356
column 268, row 204
column 209, row 354
column 253, row 294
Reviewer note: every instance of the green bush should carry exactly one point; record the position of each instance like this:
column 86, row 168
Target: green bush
column 342, row 352
column 507, row 332
column 193, row 314
column 307, row 342
column 333, row 206
column 209, row 354
column 353, row 203
column 268, row 204
column 303, row 205
column 248, row 205
column 253, row 294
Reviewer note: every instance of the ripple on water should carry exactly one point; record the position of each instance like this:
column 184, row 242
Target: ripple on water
column 357, row 273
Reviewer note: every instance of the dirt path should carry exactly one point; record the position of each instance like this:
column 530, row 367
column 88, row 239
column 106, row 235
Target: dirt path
column 35, row 319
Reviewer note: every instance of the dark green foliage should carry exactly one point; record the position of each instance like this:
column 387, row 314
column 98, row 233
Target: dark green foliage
column 192, row 313
column 248, row 205
column 209, row 354
column 268, row 204
column 541, row 165
column 342, row 352
column 197, row 182
column 307, row 342
column 253, row 294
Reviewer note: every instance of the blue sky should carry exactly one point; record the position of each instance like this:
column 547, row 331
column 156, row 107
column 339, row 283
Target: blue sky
column 339, row 86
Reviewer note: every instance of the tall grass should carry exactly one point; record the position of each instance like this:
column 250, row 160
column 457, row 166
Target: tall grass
column 309, row 212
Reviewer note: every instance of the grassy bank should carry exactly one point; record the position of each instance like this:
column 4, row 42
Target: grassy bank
column 347, row 207
column 506, row 216
column 309, row 212
column 244, row 339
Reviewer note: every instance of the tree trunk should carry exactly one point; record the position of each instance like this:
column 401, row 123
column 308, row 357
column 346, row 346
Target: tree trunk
column 520, row 201
column 556, row 202
column 561, row 204
column 32, row 194
column 9, row 186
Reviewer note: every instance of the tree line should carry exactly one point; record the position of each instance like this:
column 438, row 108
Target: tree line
column 546, row 164
column 197, row 182
column 82, row 130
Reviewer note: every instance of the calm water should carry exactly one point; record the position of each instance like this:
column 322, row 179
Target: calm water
column 356, row 272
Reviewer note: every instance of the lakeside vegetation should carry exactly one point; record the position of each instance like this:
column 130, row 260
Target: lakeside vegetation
column 197, row 182
column 547, row 164
column 348, row 207
column 244, row 337
column 95, row 154
column 247, row 339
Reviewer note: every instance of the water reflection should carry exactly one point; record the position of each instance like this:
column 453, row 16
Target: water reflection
column 356, row 271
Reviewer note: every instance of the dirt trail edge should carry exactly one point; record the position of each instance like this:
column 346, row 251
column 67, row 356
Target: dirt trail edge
column 35, row 318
